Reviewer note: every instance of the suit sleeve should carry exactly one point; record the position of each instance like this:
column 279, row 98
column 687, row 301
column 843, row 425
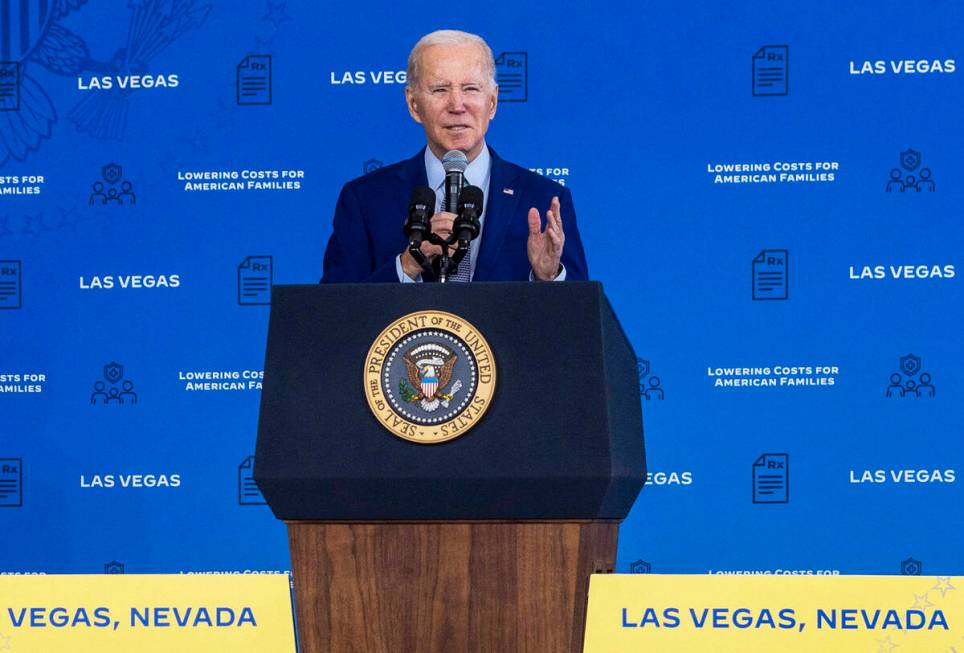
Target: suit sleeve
column 573, row 255
column 349, row 256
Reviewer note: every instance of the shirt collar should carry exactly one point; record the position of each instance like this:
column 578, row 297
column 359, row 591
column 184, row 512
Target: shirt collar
column 475, row 174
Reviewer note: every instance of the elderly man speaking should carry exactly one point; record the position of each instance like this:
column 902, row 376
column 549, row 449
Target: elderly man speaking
column 452, row 93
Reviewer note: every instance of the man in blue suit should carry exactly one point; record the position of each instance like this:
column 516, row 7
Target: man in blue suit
column 452, row 93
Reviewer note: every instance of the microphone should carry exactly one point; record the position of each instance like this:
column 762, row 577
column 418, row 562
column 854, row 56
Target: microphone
column 421, row 208
column 466, row 226
column 454, row 163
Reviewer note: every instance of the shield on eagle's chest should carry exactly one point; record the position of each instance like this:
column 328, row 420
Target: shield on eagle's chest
column 24, row 27
column 429, row 386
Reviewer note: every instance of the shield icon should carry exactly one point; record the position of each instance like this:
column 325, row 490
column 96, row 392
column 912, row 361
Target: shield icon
column 642, row 367
column 114, row 567
column 910, row 159
column 911, row 567
column 112, row 172
column 640, row 567
column 910, row 364
column 113, row 372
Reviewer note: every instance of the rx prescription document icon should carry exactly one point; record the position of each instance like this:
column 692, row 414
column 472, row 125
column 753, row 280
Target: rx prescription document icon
column 771, row 478
column 771, row 70
column 771, row 277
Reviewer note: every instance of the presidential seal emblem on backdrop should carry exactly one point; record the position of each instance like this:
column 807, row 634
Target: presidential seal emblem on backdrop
column 429, row 377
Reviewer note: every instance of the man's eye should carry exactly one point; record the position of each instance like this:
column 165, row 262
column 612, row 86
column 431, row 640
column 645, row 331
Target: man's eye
column 471, row 89
column 438, row 91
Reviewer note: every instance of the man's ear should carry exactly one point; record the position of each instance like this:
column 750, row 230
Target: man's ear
column 410, row 100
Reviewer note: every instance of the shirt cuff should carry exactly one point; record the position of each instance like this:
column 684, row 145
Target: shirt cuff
column 404, row 278
column 532, row 275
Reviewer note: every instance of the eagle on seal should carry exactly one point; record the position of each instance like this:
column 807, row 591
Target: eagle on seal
column 429, row 373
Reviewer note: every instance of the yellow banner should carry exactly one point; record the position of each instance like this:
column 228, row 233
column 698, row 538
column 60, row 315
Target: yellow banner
column 147, row 614
column 740, row 614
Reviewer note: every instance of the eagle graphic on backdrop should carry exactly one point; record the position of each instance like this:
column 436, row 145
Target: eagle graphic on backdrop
column 430, row 369
column 32, row 33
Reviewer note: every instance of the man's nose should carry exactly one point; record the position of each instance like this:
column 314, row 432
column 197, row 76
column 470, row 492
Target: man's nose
column 456, row 101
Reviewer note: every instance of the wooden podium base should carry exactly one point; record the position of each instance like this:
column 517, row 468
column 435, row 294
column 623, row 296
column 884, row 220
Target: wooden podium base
column 452, row 587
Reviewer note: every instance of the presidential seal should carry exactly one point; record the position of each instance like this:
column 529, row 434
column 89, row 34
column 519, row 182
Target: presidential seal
column 429, row 377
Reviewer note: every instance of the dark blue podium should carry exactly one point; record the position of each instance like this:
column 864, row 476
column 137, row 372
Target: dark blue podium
column 484, row 541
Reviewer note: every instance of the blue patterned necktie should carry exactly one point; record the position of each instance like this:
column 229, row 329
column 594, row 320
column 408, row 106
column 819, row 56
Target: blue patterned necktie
column 464, row 272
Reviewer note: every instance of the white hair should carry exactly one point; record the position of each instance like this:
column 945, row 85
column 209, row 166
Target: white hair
column 449, row 37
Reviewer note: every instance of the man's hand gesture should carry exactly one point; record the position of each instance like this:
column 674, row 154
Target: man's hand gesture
column 545, row 247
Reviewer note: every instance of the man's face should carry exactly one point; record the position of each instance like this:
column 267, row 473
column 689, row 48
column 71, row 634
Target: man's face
column 454, row 100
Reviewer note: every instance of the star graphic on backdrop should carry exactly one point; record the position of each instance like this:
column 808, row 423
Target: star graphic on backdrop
column 275, row 13
column 943, row 585
column 885, row 645
column 5, row 643
column 920, row 602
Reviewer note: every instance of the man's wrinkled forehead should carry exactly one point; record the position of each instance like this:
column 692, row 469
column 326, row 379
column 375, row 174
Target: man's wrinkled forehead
column 442, row 64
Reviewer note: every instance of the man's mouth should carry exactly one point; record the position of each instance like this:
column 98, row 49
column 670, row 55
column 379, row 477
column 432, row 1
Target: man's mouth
column 456, row 128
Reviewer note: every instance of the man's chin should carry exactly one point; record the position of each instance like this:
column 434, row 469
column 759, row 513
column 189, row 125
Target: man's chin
column 468, row 146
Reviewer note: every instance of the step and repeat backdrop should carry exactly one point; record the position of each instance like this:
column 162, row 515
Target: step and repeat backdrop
column 770, row 194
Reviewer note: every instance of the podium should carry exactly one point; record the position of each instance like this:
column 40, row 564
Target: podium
column 485, row 539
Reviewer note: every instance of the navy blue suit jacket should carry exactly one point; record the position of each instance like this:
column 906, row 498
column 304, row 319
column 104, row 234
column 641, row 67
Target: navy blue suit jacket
column 368, row 234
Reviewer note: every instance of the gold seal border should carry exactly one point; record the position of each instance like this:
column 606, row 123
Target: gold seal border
column 448, row 323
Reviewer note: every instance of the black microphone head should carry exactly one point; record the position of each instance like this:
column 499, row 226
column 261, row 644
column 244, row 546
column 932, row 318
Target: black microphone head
column 422, row 196
column 471, row 196
column 421, row 208
column 470, row 208
column 455, row 161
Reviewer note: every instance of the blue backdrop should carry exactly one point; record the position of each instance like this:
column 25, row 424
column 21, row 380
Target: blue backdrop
column 752, row 182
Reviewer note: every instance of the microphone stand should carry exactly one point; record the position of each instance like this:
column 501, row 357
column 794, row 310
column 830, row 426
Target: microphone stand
column 446, row 265
column 415, row 250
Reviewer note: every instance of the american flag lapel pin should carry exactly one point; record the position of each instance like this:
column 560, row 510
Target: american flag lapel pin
column 508, row 191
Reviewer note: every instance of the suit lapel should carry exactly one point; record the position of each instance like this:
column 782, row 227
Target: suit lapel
column 500, row 209
column 412, row 173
